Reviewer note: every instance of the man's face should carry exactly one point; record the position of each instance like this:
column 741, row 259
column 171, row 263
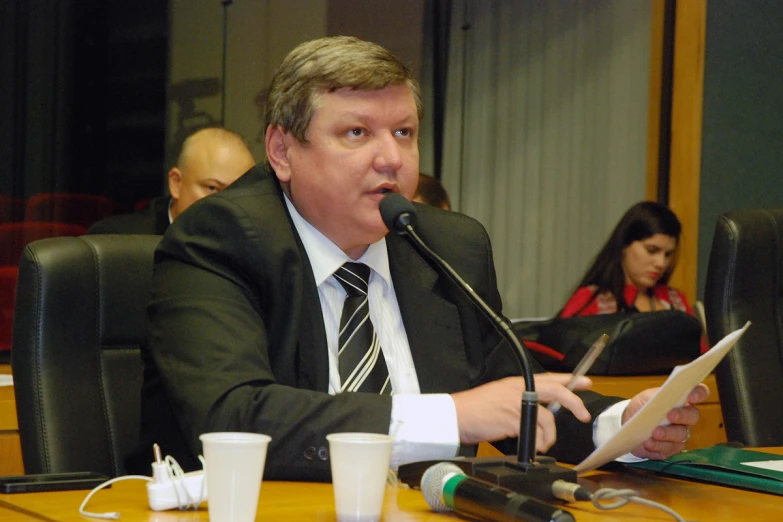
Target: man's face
column 209, row 169
column 361, row 145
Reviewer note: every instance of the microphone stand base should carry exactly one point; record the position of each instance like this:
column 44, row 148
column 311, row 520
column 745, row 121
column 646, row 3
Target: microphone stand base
column 534, row 480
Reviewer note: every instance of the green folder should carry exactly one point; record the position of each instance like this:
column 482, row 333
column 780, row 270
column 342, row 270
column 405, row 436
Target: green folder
column 720, row 465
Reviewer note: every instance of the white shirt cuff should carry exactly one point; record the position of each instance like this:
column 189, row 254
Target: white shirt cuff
column 607, row 424
column 424, row 427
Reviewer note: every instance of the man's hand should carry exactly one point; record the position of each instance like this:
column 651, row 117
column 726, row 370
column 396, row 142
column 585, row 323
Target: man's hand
column 491, row 412
column 668, row 440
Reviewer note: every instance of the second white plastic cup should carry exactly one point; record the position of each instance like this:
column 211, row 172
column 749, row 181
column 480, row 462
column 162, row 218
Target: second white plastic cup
column 234, row 468
column 360, row 465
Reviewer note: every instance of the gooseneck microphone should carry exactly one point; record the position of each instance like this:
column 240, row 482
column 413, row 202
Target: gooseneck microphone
column 447, row 488
column 399, row 215
column 524, row 473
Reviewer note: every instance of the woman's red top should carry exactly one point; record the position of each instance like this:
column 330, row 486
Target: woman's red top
column 582, row 302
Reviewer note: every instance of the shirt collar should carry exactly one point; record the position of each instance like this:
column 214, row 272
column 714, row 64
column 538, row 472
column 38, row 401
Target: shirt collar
column 326, row 257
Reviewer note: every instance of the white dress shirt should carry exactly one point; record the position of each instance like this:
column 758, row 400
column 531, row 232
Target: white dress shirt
column 424, row 426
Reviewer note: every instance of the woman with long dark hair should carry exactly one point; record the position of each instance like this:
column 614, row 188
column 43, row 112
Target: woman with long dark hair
column 632, row 270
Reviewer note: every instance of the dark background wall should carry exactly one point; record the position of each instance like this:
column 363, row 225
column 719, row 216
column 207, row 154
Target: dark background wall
column 742, row 134
column 89, row 87
column 83, row 85
column 83, row 91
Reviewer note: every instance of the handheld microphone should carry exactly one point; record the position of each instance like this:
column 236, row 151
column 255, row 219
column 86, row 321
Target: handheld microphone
column 447, row 488
column 528, row 473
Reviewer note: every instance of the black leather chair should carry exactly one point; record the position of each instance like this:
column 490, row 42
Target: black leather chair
column 745, row 283
column 78, row 324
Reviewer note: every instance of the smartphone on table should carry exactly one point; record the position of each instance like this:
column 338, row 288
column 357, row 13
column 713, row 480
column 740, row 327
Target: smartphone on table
column 51, row 482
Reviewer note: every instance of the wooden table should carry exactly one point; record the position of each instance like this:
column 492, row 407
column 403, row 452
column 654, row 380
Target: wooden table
column 10, row 449
column 708, row 432
column 314, row 502
column 293, row 501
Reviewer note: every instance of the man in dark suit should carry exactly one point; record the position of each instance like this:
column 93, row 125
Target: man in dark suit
column 210, row 160
column 248, row 288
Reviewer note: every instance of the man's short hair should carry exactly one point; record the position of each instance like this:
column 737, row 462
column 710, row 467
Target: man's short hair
column 327, row 65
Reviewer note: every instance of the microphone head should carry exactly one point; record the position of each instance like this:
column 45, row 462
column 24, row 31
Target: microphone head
column 397, row 212
column 432, row 482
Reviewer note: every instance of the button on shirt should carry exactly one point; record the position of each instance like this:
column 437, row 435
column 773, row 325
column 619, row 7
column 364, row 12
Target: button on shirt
column 424, row 426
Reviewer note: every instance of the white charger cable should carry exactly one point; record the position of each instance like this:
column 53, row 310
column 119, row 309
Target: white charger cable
column 112, row 515
column 169, row 487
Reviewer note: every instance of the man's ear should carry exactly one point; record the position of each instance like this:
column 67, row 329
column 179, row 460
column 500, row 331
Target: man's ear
column 277, row 144
column 175, row 182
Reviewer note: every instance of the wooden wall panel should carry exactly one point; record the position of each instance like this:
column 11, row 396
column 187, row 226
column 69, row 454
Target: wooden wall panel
column 684, row 182
column 654, row 109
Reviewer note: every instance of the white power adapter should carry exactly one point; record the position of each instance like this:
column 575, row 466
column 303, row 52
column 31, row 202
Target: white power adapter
column 183, row 492
column 170, row 488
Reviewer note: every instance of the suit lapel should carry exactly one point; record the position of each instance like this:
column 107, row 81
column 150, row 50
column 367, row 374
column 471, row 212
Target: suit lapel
column 313, row 350
column 432, row 323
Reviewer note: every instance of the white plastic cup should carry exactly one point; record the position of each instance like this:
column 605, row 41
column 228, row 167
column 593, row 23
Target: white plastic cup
column 360, row 465
column 235, row 467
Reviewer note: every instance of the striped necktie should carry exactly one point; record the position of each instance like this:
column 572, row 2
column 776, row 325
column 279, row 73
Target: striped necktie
column 360, row 358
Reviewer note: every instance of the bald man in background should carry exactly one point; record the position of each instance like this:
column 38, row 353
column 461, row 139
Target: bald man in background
column 210, row 160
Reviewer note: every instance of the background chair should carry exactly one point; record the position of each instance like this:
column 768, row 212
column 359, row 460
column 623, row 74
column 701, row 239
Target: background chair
column 79, row 209
column 141, row 204
column 745, row 283
column 78, row 326
column 7, row 294
column 11, row 208
column 14, row 237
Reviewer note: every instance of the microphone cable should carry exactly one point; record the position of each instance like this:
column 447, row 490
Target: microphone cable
column 571, row 492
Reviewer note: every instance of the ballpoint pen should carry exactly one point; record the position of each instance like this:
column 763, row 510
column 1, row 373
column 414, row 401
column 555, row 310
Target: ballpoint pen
column 582, row 368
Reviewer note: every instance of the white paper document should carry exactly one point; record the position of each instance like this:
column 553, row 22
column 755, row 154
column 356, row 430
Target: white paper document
column 672, row 394
column 772, row 465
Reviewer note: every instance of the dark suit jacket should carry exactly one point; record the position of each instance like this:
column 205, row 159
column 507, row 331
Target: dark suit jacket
column 152, row 220
column 237, row 342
